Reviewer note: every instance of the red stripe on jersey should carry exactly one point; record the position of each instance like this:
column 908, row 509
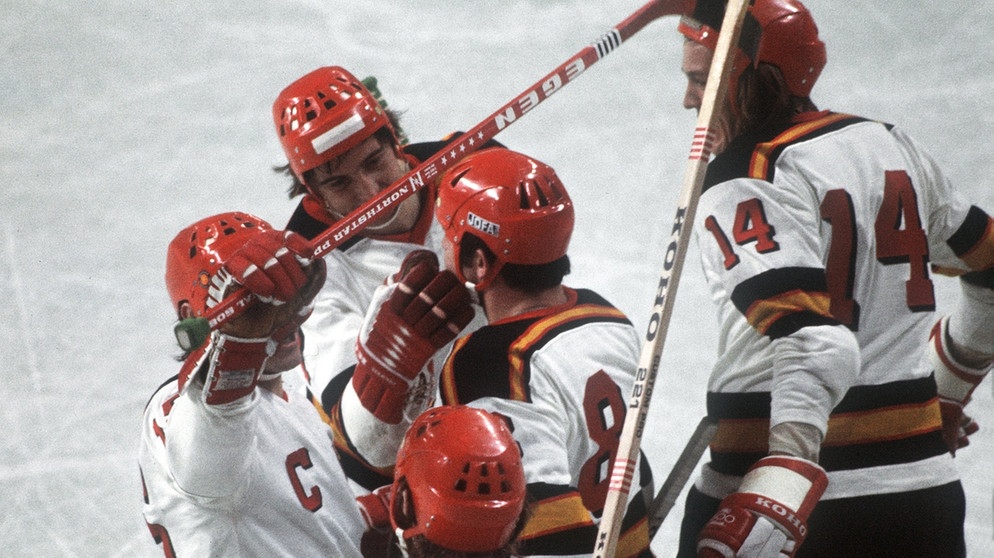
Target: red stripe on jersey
column 447, row 379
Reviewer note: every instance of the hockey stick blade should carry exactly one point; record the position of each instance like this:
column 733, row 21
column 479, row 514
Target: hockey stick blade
column 680, row 473
column 190, row 335
column 622, row 471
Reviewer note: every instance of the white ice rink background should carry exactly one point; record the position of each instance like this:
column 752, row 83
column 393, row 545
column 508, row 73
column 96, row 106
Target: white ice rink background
column 124, row 120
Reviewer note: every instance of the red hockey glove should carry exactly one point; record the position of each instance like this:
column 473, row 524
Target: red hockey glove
column 269, row 266
column 377, row 540
column 767, row 517
column 955, row 383
column 263, row 339
column 289, row 317
column 234, row 368
column 375, row 507
column 426, row 310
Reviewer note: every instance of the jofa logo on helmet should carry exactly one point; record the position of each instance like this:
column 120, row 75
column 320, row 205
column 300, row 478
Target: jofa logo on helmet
column 482, row 225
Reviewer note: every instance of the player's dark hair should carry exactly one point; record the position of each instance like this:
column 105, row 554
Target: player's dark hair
column 764, row 99
column 529, row 279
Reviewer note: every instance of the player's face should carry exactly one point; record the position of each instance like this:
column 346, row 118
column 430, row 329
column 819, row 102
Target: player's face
column 696, row 64
column 359, row 174
column 287, row 355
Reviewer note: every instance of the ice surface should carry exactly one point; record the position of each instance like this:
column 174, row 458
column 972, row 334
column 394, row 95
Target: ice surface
column 123, row 121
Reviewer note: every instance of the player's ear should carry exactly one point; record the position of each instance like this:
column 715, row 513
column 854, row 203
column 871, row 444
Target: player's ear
column 479, row 266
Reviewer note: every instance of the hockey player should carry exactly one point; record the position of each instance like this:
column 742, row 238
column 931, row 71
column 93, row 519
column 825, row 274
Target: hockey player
column 233, row 462
column 557, row 362
column 458, row 490
column 342, row 147
column 819, row 234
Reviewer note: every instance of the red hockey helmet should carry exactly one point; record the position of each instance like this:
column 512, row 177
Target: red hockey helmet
column 778, row 32
column 199, row 250
column 458, row 480
column 515, row 204
column 324, row 114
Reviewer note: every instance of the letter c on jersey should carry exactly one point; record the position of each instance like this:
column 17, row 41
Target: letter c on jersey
column 301, row 458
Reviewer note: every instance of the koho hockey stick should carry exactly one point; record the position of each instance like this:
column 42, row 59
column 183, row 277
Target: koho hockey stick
column 680, row 473
column 676, row 251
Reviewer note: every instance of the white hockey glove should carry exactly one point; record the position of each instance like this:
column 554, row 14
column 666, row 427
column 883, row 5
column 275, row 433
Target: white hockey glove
column 767, row 517
column 955, row 382
column 426, row 311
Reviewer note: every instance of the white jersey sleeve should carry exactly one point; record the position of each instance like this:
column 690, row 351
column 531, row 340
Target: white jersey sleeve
column 340, row 307
column 257, row 477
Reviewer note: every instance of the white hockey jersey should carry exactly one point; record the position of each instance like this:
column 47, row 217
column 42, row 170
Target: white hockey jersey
column 833, row 220
column 256, row 477
column 561, row 376
column 355, row 271
column 353, row 276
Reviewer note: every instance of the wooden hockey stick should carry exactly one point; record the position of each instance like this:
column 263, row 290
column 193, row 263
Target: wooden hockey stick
column 193, row 332
column 638, row 408
column 680, row 473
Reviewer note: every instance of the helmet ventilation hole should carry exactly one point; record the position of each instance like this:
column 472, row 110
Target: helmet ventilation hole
column 529, row 192
column 455, row 179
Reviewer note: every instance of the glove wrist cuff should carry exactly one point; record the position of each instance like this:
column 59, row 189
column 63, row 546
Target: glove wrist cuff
column 954, row 380
column 235, row 366
column 783, row 488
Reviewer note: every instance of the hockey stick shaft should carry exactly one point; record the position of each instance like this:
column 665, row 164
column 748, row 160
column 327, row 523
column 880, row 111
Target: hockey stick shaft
column 432, row 167
column 645, row 377
column 680, row 473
